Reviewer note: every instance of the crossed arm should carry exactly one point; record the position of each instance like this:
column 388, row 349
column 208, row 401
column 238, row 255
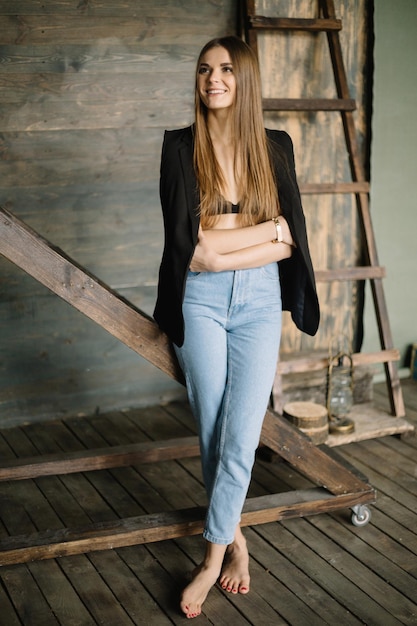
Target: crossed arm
column 219, row 250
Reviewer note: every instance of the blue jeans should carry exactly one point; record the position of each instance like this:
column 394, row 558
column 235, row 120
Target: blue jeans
column 229, row 358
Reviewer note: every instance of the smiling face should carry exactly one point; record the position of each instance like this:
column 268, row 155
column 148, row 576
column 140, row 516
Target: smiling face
column 216, row 83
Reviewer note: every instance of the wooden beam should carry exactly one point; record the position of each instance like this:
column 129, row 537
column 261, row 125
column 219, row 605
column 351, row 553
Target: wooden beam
column 51, row 267
column 350, row 273
column 289, row 23
column 308, row 104
column 296, row 448
column 333, row 188
column 317, row 362
column 278, row 434
column 98, row 459
column 169, row 525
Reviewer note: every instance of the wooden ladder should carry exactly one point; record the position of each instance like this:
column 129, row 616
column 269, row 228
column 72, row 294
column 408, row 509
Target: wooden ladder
column 252, row 24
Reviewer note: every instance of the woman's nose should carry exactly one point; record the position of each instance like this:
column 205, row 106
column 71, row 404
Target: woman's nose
column 215, row 76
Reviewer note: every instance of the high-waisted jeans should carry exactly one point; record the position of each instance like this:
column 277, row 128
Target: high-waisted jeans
column 229, row 359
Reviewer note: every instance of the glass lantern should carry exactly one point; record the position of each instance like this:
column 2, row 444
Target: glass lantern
column 340, row 393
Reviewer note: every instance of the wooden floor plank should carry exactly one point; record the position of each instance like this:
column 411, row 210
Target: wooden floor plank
column 150, row 564
column 377, row 474
column 411, row 441
column 117, row 430
column 181, row 412
column 394, row 540
column 323, row 571
column 382, row 559
column 370, row 548
column 402, row 463
column 128, row 591
column 363, row 576
column 317, row 570
column 174, row 420
column 97, row 596
column 27, row 598
column 300, row 599
column 179, row 563
column 409, row 389
column 113, row 430
column 293, row 606
column 406, row 451
column 384, row 535
column 396, row 504
column 140, row 495
column 400, row 540
column 61, row 595
column 155, row 427
column 7, row 610
column 252, row 607
column 396, row 521
column 249, row 610
column 52, row 594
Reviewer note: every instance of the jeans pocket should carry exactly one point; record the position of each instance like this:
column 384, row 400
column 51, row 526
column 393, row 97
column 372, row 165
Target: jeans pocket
column 270, row 271
column 192, row 275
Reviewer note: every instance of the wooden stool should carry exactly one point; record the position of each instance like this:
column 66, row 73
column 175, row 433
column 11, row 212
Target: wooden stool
column 310, row 418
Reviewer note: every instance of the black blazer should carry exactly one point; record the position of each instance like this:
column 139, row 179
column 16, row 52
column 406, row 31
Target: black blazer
column 180, row 199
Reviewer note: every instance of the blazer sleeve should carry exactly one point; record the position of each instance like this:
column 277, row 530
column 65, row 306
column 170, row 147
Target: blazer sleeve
column 299, row 294
column 178, row 199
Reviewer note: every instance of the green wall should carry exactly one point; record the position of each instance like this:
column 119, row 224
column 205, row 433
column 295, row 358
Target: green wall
column 394, row 171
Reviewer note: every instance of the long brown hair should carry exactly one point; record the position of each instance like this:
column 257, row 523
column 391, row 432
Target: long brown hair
column 258, row 188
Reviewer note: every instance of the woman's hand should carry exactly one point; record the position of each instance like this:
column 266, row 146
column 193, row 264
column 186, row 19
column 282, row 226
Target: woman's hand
column 205, row 258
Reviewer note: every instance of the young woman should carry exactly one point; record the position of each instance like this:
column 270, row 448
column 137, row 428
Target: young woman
column 235, row 254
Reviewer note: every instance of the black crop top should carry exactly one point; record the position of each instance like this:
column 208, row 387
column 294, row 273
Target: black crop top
column 229, row 207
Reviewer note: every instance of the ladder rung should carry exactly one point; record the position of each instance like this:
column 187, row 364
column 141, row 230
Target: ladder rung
column 350, row 273
column 287, row 23
column 345, row 187
column 308, row 104
column 317, row 362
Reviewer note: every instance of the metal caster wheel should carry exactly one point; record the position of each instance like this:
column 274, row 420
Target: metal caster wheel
column 361, row 515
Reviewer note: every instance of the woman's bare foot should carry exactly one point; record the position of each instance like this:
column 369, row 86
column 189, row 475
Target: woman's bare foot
column 235, row 571
column 204, row 578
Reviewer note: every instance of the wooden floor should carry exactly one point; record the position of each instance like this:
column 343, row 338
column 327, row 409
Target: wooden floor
column 316, row 570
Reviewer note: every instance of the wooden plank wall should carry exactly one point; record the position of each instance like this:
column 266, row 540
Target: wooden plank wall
column 86, row 89
column 297, row 65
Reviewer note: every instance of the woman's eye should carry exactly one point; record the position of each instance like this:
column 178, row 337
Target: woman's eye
column 203, row 70
column 228, row 68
